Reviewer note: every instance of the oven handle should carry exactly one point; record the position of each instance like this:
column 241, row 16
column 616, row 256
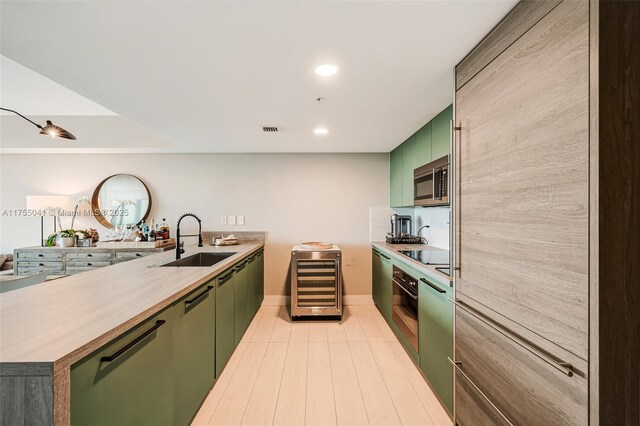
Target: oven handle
column 397, row 282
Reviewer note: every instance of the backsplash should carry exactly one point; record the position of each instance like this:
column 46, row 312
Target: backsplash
column 436, row 217
column 438, row 220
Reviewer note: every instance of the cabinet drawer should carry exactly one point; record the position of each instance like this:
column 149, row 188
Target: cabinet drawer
column 524, row 387
column 473, row 408
column 96, row 256
column 88, row 263
column 36, row 254
column 130, row 255
column 30, row 270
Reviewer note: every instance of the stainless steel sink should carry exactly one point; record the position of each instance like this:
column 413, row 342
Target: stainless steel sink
column 200, row 259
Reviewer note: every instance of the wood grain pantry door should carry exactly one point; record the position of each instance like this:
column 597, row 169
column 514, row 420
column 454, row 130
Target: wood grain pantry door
column 523, row 181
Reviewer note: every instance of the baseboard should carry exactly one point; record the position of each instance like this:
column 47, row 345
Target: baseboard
column 276, row 300
column 355, row 299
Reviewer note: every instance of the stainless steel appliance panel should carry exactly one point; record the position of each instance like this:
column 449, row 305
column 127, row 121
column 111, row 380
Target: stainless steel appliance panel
column 431, row 183
column 404, row 311
column 316, row 283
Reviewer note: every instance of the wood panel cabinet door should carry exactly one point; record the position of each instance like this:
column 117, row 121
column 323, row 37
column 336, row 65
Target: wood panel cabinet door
column 395, row 177
column 523, row 195
column 521, row 385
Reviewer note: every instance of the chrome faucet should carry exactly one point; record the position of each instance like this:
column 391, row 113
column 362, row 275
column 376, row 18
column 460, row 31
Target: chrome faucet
column 179, row 249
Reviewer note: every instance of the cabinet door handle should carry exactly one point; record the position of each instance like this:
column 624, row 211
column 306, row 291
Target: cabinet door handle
column 89, row 264
column 40, row 264
column 40, row 255
column 564, row 367
column 89, row 255
column 454, row 179
column 138, row 255
column 132, row 343
column 376, row 253
column 385, row 256
column 199, row 296
column 456, row 365
column 226, row 278
column 435, row 287
column 241, row 266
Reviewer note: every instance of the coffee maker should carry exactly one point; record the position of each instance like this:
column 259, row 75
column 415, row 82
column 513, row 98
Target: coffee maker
column 400, row 226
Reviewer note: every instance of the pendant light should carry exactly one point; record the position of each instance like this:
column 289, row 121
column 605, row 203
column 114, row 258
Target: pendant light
column 50, row 129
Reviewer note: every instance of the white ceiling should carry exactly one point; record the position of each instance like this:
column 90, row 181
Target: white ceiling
column 205, row 76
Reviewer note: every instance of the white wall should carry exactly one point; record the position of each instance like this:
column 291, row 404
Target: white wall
column 293, row 197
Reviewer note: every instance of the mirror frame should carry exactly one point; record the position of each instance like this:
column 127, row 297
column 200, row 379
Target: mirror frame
column 95, row 205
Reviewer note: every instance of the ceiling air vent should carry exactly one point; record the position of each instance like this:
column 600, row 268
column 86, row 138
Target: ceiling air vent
column 269, row 129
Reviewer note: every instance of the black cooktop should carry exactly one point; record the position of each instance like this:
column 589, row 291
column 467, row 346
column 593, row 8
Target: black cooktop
column 428, row 257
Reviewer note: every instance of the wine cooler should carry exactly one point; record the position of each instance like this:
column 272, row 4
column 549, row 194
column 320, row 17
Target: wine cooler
column 316, row 282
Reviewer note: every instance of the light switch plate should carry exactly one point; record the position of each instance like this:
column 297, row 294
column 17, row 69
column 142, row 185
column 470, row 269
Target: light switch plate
column 240, row 220
column 232, row 220
column 224, row 220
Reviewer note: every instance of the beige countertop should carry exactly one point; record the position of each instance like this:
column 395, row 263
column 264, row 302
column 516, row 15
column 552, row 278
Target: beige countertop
column 61, row 321
column 430, row 270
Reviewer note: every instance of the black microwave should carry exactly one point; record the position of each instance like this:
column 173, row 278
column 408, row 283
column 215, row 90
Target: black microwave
column 431, row 183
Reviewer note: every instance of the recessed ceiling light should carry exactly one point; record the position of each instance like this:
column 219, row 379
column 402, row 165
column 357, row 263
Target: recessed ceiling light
column 320, row 130
column 326, row 70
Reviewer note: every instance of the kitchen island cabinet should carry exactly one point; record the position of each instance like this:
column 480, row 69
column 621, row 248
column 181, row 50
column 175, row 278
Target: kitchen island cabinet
column 225, row 319
column 57, row 343
column 194, row 344
column 128, row 380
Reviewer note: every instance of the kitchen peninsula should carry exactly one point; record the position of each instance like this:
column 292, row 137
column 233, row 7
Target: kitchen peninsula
column 48, row 328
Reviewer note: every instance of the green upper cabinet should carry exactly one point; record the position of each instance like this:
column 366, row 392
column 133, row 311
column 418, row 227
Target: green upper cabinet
column 395, row 174
column 430, row 142
column 416, row 151
column 441, row 128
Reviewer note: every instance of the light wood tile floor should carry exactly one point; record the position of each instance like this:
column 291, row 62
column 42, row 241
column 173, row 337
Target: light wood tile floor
column 320, row 373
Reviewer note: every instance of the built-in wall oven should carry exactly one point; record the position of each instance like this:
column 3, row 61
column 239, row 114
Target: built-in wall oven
column 405, row 306
column 431, row 183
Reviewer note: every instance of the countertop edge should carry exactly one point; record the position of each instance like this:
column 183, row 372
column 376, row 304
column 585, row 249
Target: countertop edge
column 429, row 270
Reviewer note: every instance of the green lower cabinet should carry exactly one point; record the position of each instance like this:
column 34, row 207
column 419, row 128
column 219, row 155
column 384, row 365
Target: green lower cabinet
column 129, row 381
column 435, row 328
column 376, row 279
column 259, row 288
column 252, row 282
column 240, row 297
column 225, row 317
column 194, row 343
column 382, row 290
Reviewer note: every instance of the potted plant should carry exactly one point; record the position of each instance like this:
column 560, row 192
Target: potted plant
column 67, row 238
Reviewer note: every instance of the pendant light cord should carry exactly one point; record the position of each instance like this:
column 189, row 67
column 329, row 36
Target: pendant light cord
column 17, row 113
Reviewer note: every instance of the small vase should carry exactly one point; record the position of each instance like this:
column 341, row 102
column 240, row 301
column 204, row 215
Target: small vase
column 67, row 241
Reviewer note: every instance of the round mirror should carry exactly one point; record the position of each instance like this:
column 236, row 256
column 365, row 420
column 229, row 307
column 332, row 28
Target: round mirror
column 121, row 200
